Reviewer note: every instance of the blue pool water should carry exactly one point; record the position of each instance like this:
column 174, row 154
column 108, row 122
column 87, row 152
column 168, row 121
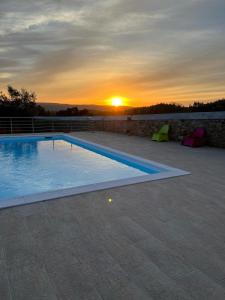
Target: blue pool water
column 38, row 164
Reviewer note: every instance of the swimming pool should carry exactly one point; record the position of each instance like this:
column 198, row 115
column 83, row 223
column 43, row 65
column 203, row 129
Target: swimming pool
column 41, row 167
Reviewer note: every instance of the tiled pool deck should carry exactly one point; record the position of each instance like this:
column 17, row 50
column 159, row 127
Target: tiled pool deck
column 156, row 240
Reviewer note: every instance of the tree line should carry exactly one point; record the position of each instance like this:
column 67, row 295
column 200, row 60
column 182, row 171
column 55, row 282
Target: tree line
column 19, row 103
column 165, row 108
column 22, row 103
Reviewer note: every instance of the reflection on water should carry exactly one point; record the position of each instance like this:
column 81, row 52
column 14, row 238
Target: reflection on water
column 18, row 150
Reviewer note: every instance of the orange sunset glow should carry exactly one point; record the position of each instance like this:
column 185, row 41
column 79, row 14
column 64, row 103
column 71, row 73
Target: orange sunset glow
column 146, row 52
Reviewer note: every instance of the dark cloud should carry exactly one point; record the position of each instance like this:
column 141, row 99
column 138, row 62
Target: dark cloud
column 151, row 46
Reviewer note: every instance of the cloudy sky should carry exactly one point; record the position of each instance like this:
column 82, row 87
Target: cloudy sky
column 85, row 51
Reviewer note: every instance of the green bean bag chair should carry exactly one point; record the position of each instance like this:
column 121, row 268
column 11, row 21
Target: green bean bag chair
column 162, row 135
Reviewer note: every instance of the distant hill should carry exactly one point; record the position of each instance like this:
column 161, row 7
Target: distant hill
column 54, row 106
column 91, row 107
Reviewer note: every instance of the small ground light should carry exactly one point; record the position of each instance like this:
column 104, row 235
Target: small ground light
column 110, row 200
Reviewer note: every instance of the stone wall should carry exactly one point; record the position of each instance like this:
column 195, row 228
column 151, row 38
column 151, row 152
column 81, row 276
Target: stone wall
column 179, row 127
column 181, row 124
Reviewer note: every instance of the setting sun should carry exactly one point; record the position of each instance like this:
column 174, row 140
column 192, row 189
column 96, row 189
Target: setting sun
column 117, row 101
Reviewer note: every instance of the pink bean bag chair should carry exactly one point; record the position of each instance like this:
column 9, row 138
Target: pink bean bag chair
column 196, row 139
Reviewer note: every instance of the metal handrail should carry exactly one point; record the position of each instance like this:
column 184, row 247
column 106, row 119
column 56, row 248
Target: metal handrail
column 11, row 125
